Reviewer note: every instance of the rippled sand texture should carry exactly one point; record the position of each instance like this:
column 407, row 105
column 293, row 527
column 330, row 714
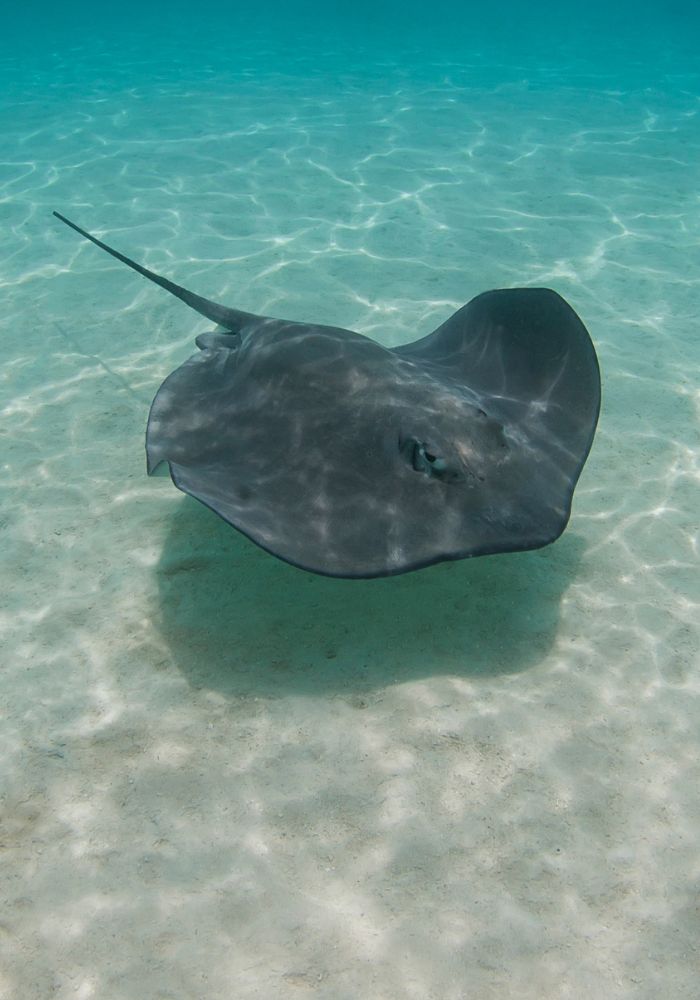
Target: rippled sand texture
column 223, row 777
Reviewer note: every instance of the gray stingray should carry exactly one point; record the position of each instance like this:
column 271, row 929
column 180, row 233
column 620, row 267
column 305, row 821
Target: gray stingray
column 350, row 459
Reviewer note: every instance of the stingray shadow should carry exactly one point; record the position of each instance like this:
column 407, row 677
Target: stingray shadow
column 243, row 623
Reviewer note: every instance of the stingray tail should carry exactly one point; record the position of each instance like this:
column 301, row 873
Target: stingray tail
column 231, row 319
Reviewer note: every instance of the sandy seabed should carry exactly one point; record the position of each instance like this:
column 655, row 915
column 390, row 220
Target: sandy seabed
column 224, row 777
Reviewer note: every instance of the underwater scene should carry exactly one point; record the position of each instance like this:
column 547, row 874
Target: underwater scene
column 402, row 701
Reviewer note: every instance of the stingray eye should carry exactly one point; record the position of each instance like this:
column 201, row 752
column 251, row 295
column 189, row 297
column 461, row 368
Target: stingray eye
column 421, row 462
column 426, row 460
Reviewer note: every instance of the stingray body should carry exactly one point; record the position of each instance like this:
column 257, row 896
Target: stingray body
column 350, row 459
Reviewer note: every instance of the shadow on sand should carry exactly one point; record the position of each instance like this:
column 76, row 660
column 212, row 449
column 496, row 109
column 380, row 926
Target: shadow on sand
column 240, row 622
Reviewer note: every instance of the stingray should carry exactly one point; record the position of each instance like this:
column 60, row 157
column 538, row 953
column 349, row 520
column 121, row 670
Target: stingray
column 351, row 459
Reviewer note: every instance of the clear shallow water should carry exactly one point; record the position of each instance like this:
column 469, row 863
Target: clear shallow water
column 222, row 776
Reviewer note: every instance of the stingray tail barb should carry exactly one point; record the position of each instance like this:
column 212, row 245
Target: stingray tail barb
column 231, row 319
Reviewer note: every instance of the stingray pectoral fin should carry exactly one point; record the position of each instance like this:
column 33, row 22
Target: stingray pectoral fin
column 231, row 319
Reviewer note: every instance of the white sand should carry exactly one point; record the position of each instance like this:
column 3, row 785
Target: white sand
column 225, row 778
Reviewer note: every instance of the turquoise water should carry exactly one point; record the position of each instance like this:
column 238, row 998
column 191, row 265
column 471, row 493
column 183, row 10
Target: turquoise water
column 223, row 776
